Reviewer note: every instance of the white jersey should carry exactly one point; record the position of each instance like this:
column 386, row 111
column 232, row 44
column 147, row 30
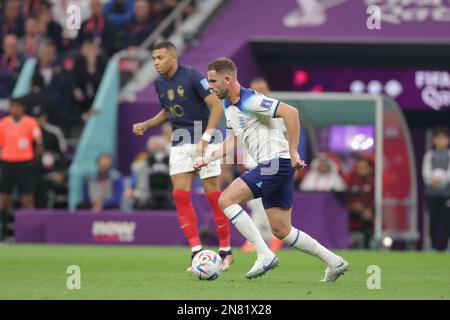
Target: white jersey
column 252, row 121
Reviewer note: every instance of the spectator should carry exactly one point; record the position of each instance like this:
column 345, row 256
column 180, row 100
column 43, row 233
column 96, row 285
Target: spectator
column 56, row 82
column 96, row 26
column 159, row 179
column 151, row 186
column 33, row 39
column 51, row 169
column 31, row 7
column 323, row 176
column 119, row 12
column 436, row 176
column 59, row 13
column 87, row 73
column 361, row 204
column 162, row 8
column 119, row 15
column 38, row 99
column 11, row 21
column 20, row 146
column 105, row 189
column 143, row 23
column 48, row 26
column 10, row 65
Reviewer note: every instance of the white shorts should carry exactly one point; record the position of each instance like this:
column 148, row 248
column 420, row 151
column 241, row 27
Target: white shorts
column 182, row 160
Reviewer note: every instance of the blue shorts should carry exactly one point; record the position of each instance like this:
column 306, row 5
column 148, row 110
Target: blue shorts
column 273, row 182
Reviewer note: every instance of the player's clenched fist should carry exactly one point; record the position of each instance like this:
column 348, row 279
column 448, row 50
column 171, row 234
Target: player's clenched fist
column 139, row 128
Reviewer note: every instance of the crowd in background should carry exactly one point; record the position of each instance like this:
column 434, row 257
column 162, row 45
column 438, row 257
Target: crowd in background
column 68, row 71
column 69, row 68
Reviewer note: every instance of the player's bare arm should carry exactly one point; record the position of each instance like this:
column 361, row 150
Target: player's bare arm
column 226, row 147
column 140, row 127
column 291, row 119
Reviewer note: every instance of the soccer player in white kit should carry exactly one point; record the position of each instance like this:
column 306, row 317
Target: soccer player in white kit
column 250, row 116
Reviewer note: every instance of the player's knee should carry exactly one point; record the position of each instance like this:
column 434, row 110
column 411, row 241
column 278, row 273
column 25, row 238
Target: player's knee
column 224, row 201
column 280, row 231
column 181, row 196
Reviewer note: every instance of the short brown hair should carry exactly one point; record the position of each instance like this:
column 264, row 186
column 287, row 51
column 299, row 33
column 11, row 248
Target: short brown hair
column 440, row 131
column 222, row 65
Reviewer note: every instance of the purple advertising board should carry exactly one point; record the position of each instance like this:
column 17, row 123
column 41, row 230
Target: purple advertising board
column 322, row 215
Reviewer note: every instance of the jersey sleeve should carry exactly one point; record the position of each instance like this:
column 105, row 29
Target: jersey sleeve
column 261, row 105
column 159, row 94
column 200, row 84
column 35, row 132
column 1, row 134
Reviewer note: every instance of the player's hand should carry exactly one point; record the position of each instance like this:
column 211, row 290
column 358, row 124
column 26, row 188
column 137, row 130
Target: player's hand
column 139, row 128
column 200, row 163
column 296, row 162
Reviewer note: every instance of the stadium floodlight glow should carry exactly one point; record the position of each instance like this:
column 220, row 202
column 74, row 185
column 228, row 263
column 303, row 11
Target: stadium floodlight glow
column 357, row 87
column 393, row 88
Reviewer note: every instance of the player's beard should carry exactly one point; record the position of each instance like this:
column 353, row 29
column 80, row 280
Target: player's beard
column 222, row 94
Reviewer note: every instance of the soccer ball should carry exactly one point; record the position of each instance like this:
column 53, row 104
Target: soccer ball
column 207, row 265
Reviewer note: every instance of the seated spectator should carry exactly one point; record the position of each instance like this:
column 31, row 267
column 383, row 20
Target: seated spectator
column 105, row 189
column 159, row 179
column 436, row 176
column 95, row 27
column 48, row 26
column 119, row 15
column 162, row 8
column 36, row 98
column 323, row 176
column 151, row 186
column 119, row 12
column 142, row 25
column 56, row 81
column 31, row 7
column 361, row 202
column 11, row 20
column 11, row 63
column 51, row 170
column 59, row 13
column 87, row 74
column 33, row 39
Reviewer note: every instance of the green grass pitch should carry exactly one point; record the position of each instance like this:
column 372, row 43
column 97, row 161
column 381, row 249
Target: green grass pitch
column 115, row 272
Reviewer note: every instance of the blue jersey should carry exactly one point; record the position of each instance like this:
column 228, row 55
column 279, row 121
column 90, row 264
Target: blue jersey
column 183, row 97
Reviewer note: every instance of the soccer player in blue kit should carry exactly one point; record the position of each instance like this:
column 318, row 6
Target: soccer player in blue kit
column 185, row 97
column 250, row 115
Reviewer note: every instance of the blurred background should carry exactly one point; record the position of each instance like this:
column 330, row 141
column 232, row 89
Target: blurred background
column 371, row 79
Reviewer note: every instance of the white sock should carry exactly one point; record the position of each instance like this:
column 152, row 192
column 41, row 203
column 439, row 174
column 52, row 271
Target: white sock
column 247, row 228
column 306, row 243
